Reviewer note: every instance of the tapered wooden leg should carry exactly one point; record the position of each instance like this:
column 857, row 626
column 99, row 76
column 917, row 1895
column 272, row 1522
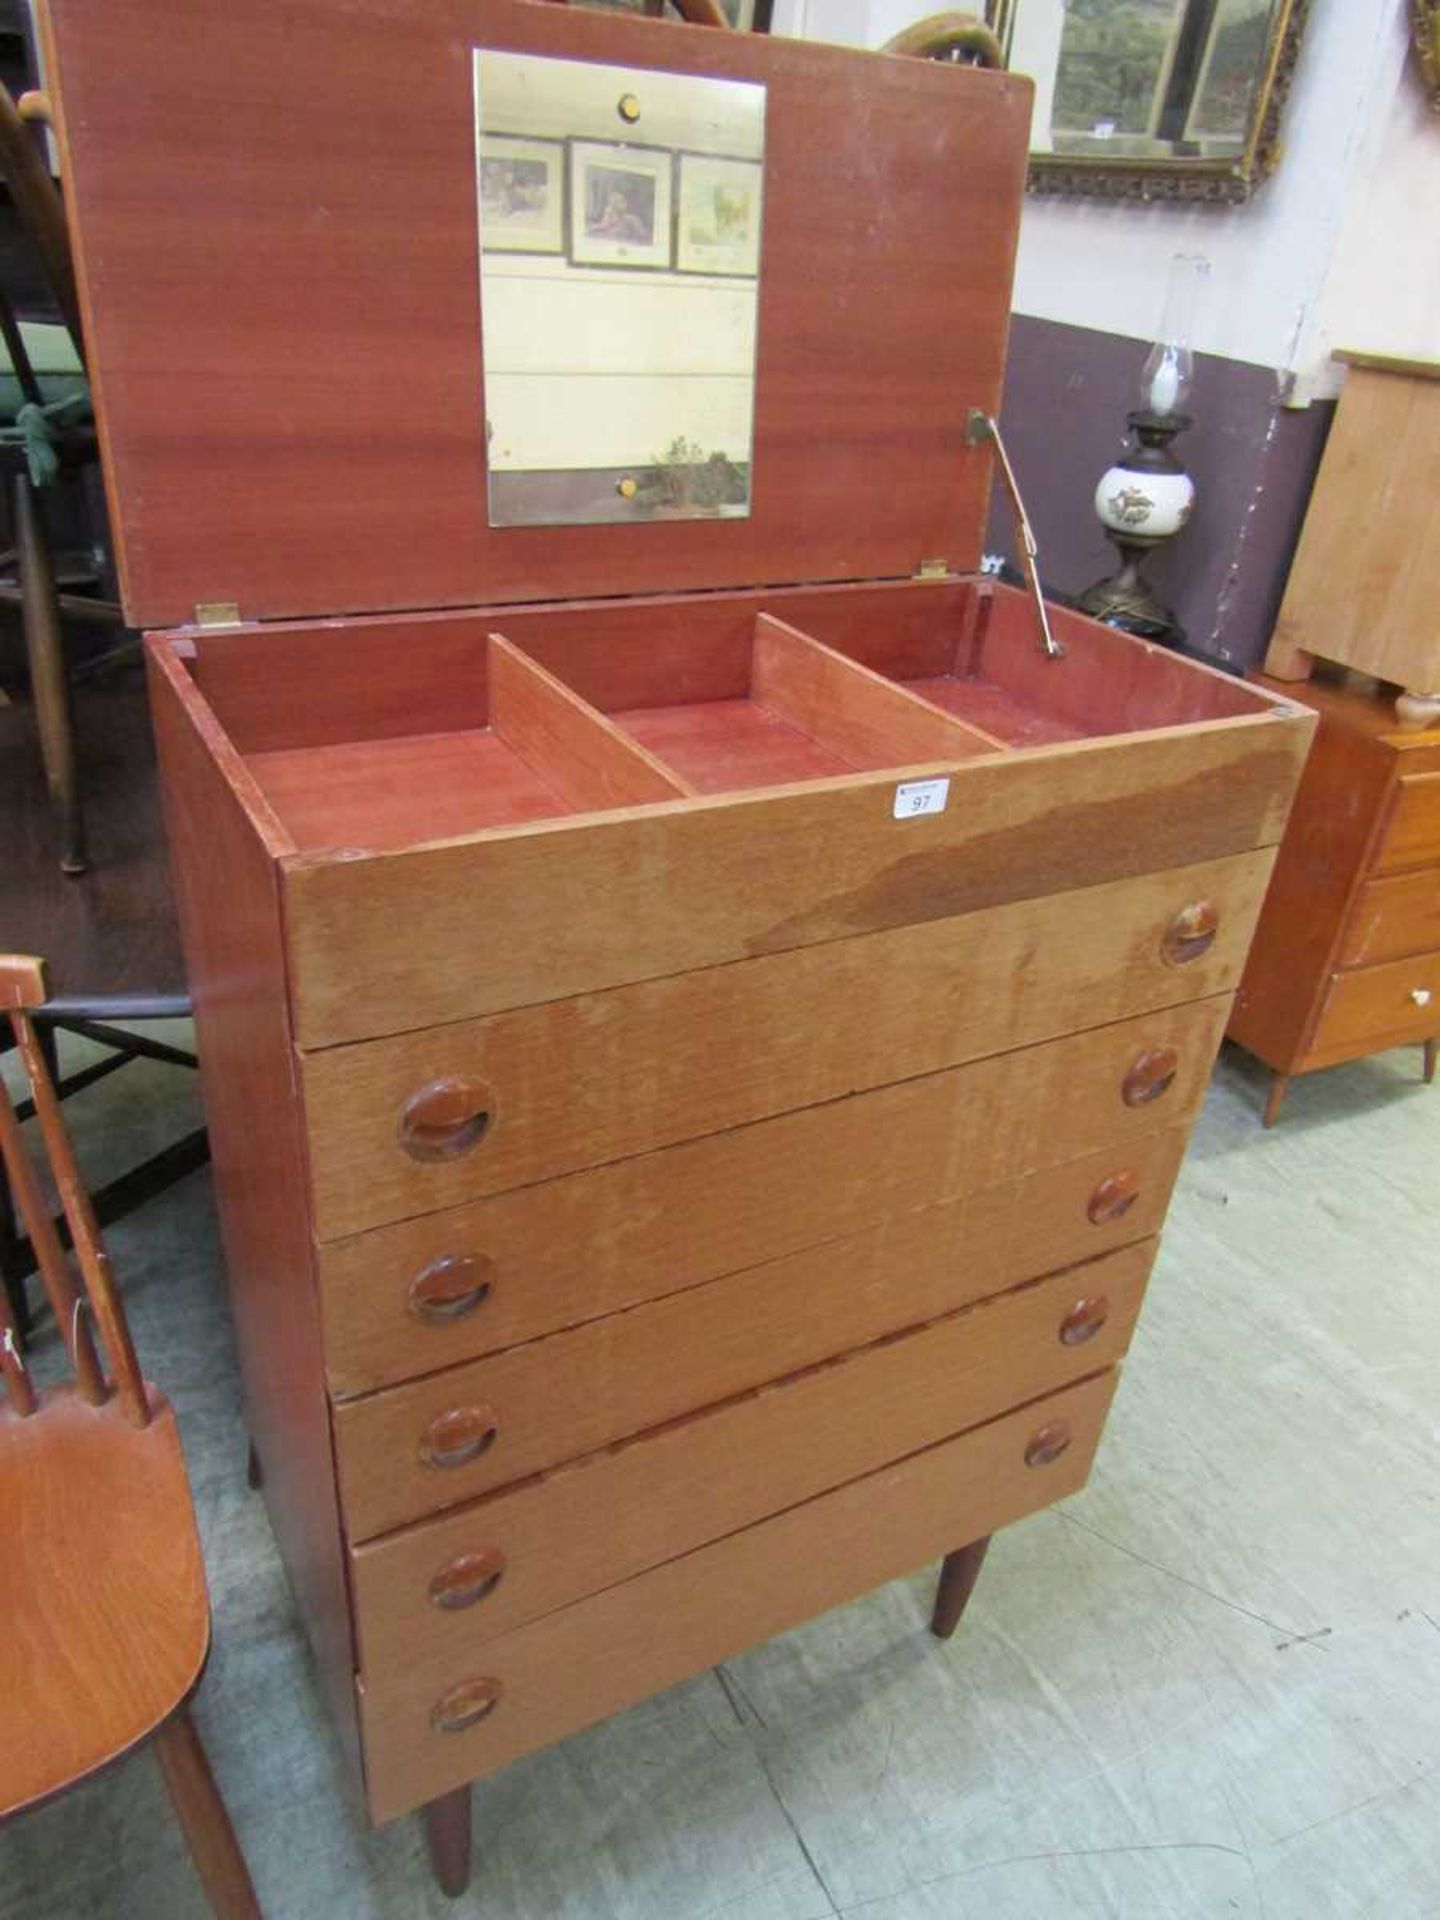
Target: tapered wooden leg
column 1279, row 1087
column 447, row 1833
column 958, row 1575
column 254, row 1476
column 204, row 1821
column 45, row 649
column 1432, row 1054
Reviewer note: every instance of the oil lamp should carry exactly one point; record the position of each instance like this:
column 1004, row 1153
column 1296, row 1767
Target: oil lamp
column 1146, row 497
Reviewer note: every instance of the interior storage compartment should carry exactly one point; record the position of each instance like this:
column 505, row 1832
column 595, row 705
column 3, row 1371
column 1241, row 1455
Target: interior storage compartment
column 537, row 753
column 391, row 731
column 806, row 713
column 985, row 664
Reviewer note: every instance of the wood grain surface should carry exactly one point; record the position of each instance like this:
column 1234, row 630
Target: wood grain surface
column 381, row 945
column 102, row 1589
column 1322, row 862
column 226, row 887
column 571, row 1250
column 593, row 1523
column 589, row 1660
column 580, row 1082
column 282, row 468
column 577, row 749
column 557, row 1398
column 1392, row 918
column 1363, row 586
column 307, row 683
column 1410, row 836
column 869, row 721
column 1376, row 1007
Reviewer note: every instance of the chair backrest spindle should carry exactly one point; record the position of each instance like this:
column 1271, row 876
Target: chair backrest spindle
column 60, row 1291
column 21, row 988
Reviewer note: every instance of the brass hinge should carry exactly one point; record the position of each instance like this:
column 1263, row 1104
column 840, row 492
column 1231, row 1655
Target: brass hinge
column 933, row 570
column 217, row 613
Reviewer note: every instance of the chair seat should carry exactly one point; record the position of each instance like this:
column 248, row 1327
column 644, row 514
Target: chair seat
column 104, row 1618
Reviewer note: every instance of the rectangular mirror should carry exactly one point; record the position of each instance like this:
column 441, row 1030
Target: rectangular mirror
column 620, row 224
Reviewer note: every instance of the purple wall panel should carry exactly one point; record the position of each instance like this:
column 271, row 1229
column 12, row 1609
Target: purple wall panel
column 1067, row 392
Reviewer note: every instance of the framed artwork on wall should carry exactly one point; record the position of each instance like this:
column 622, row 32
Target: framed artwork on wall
column 719, row 225
column 621, row 200
column 749, row 16
column 522, row 194
column 1425, row 32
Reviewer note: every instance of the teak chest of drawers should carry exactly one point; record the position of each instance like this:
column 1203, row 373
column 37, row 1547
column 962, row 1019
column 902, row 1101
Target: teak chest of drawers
column 695, row 1076
column 1346, row 959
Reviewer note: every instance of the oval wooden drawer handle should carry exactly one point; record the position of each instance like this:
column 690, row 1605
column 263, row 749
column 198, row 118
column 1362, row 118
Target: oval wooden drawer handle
column 455, row 1438
column 450, row 1287
column 445, row 1118
column 1048, row 1444
column 1084, row 1320
column 468, row 1579
column 1151, row 1074
column 1191, row 933
column 466, row 1705
column 1114, row 1196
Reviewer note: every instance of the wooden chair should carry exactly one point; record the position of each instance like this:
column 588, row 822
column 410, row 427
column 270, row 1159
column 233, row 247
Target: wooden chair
column 106, row 1623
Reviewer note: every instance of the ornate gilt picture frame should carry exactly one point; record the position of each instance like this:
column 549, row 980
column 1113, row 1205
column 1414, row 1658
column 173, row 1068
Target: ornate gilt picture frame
column 1228, row 177
column 1425, row 32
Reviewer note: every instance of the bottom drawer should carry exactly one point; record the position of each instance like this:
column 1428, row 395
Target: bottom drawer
column 557, row 1674
column 1375, row 1007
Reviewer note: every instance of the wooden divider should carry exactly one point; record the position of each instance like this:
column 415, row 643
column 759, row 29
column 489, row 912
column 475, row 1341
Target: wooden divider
column 583, row 756
column 858, row 714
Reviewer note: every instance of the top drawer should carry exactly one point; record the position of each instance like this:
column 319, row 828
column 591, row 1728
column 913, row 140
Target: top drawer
column 407, row 1125
column 1411, row 836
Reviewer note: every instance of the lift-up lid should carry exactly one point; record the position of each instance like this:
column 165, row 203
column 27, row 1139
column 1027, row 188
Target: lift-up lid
column 274, row 211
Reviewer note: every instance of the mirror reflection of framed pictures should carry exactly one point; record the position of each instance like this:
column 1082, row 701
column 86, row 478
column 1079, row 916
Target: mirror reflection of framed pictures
column 620, row 205
column 522, row 194
column 750, row 16
column 719, row 226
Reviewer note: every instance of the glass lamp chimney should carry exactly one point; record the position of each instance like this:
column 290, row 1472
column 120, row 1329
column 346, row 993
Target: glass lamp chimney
column 1170, row 367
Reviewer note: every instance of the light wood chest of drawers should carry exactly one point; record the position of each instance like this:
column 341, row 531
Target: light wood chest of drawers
column 575, row 1324
column 669, row 1184
column 1346, row 960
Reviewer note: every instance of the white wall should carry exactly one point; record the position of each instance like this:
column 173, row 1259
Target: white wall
column 1383, row 291
column 1341, row 246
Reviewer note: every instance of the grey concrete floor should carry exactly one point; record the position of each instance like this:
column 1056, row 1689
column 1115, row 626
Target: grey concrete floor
column 1208, row 1685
